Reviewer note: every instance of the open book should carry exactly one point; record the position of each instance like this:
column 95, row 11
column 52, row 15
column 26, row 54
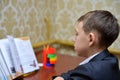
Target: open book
column 16, row 57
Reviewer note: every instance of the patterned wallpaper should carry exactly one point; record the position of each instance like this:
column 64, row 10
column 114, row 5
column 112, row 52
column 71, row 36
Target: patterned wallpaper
column 23, row 18
column 26, row 17
column 68, row 11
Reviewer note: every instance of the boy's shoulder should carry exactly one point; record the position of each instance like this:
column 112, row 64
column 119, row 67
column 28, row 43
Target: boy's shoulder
column 103, row 67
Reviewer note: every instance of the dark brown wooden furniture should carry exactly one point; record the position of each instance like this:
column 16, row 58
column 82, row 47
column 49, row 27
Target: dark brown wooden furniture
column 64, row 63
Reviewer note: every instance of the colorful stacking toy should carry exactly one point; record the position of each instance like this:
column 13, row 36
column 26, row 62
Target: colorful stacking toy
column 49, row 57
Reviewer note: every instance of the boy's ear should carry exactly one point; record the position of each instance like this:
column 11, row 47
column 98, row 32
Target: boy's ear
column 91, row 39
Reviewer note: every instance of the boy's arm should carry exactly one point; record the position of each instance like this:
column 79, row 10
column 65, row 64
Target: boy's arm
column 80, row 73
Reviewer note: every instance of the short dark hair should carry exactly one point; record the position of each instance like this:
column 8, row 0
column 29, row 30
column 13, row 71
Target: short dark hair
column 104, row 23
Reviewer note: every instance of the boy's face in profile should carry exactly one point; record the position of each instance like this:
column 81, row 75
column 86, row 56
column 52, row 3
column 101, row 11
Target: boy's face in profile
column 81, row 40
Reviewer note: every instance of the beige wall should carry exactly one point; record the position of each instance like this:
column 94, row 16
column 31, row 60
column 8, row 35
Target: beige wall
column 68, row 11
column 23, row 18
column 26, row 17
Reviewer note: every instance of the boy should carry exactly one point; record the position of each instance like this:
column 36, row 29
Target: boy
column 95, row 32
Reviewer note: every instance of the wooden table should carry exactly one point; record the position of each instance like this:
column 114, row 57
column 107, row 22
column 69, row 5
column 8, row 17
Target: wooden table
column 64, row 63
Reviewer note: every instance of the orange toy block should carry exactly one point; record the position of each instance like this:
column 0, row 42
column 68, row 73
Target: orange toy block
column 53, row 62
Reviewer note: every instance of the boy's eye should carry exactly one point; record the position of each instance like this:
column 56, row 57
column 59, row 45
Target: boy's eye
column 76, row 34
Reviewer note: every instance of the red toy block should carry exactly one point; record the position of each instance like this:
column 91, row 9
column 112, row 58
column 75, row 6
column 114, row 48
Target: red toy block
column 49, row 53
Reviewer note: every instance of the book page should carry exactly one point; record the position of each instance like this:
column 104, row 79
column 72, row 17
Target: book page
column 26, row 54
column 5, row 53
column 4, row 71
column 15, row 56
column 2, row 74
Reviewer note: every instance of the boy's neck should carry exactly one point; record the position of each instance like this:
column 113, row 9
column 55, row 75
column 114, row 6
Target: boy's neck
column 94, row 51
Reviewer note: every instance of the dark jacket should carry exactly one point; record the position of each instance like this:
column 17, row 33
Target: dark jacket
column 104, row 66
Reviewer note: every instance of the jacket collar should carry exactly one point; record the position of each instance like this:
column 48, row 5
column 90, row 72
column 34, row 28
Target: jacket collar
column 101, row 55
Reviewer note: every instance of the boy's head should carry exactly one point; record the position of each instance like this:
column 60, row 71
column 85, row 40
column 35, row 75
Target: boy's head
column 96, row 30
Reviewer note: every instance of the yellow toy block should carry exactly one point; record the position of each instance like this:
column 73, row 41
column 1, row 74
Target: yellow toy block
column 53, row 59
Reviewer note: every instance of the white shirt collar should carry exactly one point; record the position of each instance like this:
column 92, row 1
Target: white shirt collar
column 88, row 59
